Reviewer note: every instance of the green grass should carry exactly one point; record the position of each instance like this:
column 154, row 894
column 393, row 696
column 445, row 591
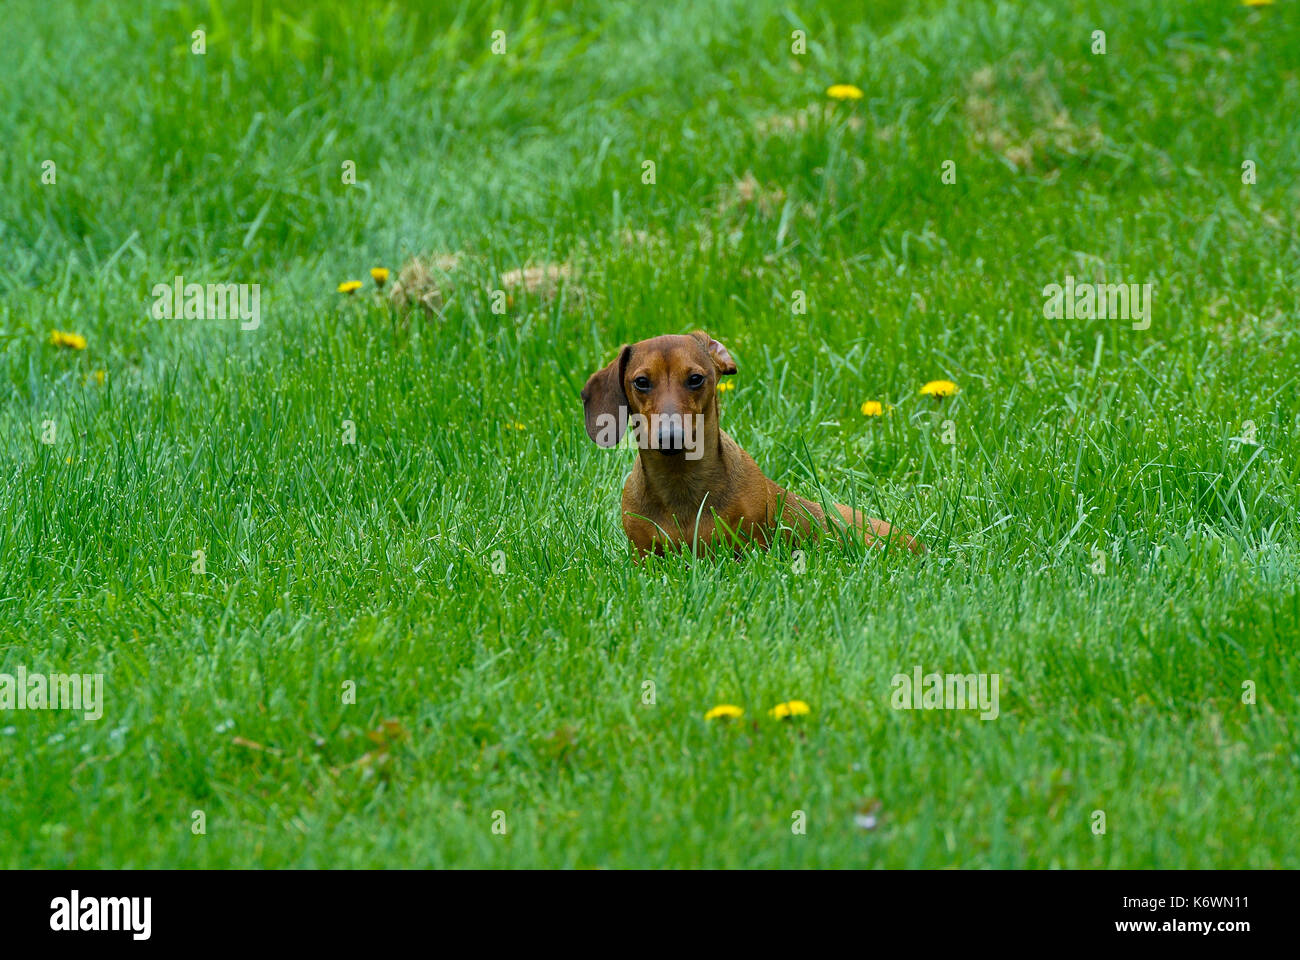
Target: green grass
column 472, row 579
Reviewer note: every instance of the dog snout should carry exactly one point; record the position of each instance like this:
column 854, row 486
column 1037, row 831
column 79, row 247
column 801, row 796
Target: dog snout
column 671, row 439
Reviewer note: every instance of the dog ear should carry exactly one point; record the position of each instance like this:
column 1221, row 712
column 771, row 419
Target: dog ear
column 717, row 353
column 602, row 398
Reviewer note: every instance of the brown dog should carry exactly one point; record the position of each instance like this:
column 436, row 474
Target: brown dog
column 692, row 484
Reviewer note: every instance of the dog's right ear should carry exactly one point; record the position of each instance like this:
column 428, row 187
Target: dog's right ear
column 603, row 399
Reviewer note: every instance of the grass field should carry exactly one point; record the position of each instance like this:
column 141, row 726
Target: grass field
column 1111, row 512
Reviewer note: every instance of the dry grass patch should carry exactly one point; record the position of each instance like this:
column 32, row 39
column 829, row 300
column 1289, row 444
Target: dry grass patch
column 747, row 193
column 424, row 281
column 1022, row 119
column 813, row 116
column 543, row 281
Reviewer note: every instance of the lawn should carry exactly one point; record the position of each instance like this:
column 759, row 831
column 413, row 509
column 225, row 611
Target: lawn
column 354, row 577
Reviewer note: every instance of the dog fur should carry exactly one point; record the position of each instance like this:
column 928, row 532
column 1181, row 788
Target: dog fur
column 720, row 498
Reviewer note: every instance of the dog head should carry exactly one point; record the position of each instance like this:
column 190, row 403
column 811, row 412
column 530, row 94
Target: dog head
column 665, row 388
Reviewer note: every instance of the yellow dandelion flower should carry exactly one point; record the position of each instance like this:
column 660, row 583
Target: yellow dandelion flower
column 793, row 708
column 939, row 388
column 1257, row 3
column 725, row 711
column 844, row 91
column 73, row 341
column 379, row 275
column 873, row 408
column 725, row 385
column 68, row 460
column 350, row 286
column 99, row 378
column 517, row 426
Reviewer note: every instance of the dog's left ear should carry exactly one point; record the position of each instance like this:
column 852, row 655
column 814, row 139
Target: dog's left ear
column 717, row 352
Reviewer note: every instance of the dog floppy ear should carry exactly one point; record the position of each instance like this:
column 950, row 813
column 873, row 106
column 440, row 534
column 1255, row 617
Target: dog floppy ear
column 602, row 400
column 717, row 352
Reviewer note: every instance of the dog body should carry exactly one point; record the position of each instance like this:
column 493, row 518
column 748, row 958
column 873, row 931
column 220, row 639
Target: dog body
column 692, row 485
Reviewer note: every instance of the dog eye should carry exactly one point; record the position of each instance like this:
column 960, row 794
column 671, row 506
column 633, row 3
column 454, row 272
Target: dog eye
column 642, row 383
column 695, row 381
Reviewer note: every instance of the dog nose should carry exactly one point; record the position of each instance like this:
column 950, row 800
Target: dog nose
column 670, row 436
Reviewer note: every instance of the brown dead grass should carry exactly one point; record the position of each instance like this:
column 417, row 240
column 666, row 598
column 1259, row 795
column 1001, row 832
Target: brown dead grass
column 424, row 281
column 542, row 281
column 805, row 118
column 427, row 280
column 748, row 193
column 1019, row 116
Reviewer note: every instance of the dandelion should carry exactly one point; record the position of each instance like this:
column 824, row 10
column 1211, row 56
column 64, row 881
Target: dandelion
column 726, row 385
column 793, row 708
column 725, row 711
column 99, row 378
column 1257, row 3
column 873, row 408
column 379, row 275
column 350, row 286
column 73, row 341
column 516, row 425
column 939, row 388
column 844, row 91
